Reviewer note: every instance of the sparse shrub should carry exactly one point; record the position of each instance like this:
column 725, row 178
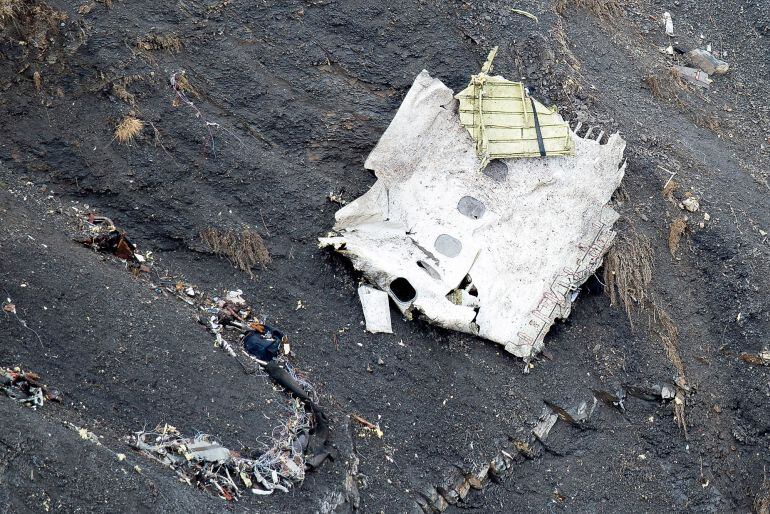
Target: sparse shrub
column 244, row 249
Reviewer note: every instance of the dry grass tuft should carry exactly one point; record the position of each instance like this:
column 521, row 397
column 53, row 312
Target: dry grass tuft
column 675, row 233
column 244, row 250
column 602, row 9
column 669, row 189
column 666, row 84
column 656, row 86
column 628, row 272
column 9, row 9
column 128, row 129
column 706, row 121
column 628, row 276
column 153, row 42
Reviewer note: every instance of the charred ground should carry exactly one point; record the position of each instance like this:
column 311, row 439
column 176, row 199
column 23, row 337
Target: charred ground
column 289, row 99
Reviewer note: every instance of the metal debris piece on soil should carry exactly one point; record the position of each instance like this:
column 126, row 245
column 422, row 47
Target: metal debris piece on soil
column 376, row 308
column 693, row 76
column 202, row 461
column 101, row 234
column 498, row 254
column 25, row 388
column 706, row 61
column 506, row 122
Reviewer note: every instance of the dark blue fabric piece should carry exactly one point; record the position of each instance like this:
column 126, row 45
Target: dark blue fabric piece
column 264, row 347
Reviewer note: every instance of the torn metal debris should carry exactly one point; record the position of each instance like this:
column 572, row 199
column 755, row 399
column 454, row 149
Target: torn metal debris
column 376, row 309
column 497, row 254
column 101, row 234
column 202, row 461
column 506, row 122
column 25, row 388
column 706, row 61
column 693, row 76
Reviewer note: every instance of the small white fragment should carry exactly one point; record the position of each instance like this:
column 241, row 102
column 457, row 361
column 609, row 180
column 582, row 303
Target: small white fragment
column 669, row 23
column 235, row 297
column 376, row 309
column 691, row 204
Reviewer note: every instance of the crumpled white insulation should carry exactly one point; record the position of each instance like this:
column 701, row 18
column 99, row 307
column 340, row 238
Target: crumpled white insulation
column 497, row 253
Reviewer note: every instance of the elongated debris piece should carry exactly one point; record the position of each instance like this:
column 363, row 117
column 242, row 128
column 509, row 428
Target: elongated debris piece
column 376, row 309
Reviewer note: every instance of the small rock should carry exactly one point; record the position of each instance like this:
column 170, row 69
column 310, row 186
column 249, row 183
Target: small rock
column 475, row 483
column 463, row 489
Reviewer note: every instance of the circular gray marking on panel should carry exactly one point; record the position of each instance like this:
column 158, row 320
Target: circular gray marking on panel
column 496, row 170
column 471, row 207
column 448, row 245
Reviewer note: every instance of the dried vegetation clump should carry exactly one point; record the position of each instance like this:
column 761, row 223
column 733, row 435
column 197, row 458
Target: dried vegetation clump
column 128, row 129
column 666, row 84
column 244, row 249
column 32, row 24
column 167, row 42
column 628, row 272
column 675, row 233
column 602, row 9
column 9, row 8
column 628, row 275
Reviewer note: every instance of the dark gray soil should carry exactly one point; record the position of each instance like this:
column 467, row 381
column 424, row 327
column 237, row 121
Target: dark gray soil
column 299, row 92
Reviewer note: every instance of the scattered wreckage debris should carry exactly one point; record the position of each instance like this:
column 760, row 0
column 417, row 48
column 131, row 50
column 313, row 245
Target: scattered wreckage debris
column 25, row 388
column 268, row 348
column 457, row 482
column 101, row 234
column 300, row 444
column 450, row 244
column 202, row 461
column 704, row 62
